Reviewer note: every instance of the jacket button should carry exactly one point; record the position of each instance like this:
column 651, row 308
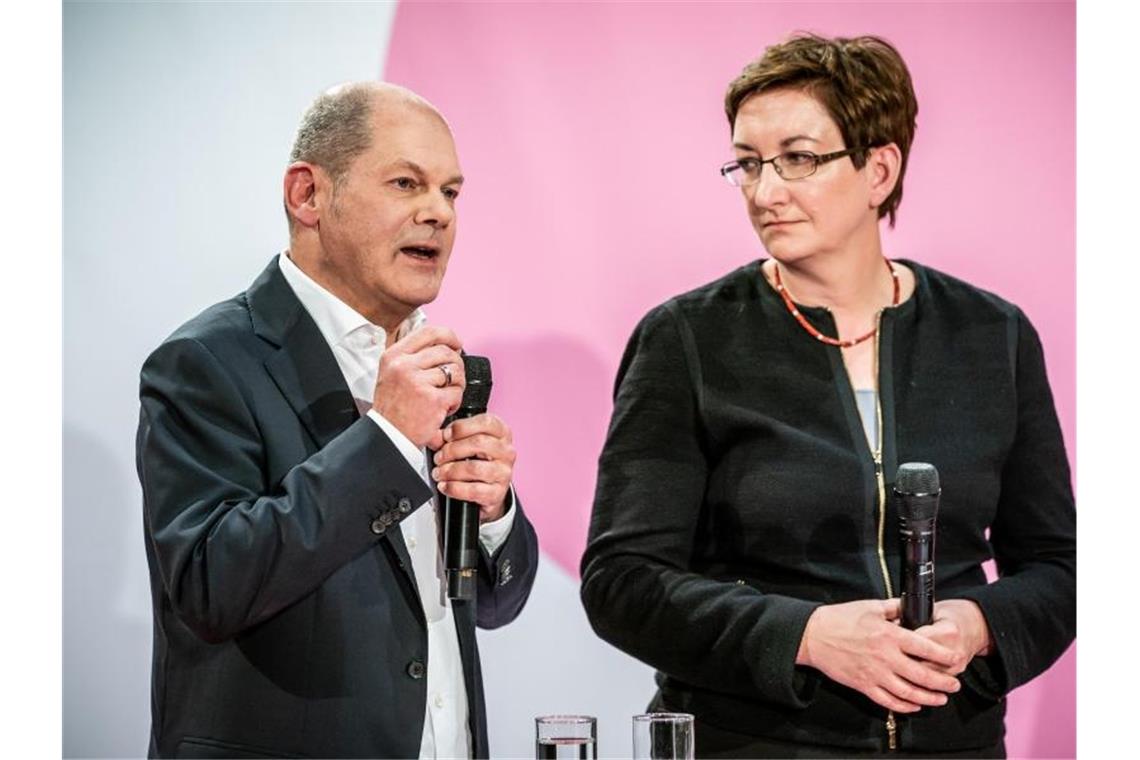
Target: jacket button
column 404, row 505
column 416, row 669
column 378, row 526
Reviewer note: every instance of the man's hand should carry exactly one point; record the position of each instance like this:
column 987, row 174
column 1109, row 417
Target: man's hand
column 476, row 462
column 860, row 644
column 958, row 625
column 412, row 390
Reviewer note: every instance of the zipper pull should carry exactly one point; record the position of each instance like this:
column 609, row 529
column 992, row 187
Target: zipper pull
column 892, row 728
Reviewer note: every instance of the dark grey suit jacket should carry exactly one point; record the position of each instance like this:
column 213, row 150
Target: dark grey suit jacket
column 286, row 616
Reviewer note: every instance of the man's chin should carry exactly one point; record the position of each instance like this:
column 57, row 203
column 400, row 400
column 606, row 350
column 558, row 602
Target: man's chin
column 417, row 297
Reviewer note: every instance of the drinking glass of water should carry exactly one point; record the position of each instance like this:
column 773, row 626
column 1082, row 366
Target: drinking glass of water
column 663, row 736
column 565, row 737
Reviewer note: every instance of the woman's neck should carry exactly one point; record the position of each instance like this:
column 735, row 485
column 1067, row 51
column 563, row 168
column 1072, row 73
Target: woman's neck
column 847, row 283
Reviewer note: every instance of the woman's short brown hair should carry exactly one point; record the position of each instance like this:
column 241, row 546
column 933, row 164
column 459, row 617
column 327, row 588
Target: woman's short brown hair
column 861, row 81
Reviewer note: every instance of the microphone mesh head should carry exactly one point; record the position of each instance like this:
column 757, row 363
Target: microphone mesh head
column 917, row 478
column 477, row 392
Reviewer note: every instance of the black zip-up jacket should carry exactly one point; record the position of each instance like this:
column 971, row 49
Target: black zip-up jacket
column 737, row 492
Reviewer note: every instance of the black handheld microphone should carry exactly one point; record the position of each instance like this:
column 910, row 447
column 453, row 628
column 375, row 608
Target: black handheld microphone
column 916, row 494
column 461, row 518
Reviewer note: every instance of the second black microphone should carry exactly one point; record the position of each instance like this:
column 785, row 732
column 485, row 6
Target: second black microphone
column 917, row 493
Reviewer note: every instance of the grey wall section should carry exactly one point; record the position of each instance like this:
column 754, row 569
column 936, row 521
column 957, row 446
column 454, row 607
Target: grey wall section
column 178, row 119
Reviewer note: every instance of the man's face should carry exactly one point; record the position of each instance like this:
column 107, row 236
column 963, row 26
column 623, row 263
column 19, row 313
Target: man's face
column 387, row 235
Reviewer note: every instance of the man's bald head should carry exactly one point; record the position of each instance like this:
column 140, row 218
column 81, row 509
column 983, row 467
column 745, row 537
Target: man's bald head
column 340, row 124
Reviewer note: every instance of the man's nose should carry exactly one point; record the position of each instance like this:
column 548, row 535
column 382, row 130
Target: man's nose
column 436, row 210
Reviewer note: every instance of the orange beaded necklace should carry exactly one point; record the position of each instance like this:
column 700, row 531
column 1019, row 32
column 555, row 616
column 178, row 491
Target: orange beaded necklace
column 811, row 328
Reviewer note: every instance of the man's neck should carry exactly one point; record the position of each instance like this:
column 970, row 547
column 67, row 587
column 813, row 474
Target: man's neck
column 390, row 318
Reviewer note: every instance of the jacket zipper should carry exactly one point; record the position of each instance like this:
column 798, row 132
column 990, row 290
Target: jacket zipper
column 877, row 455
column 892, row 726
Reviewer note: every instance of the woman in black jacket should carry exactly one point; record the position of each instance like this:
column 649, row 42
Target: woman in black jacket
column 742, row 541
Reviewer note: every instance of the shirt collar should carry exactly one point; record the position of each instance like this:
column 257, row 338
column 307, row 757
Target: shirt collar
column 335, row 319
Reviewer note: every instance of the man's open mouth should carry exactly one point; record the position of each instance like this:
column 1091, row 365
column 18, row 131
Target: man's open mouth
column 425, row 253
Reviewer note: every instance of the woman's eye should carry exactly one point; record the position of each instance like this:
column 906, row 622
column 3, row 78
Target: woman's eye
column 798, row 158
column 749, row 165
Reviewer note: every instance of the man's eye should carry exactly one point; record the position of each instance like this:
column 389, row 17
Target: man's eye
column 450, row 193
column 798, row 158
column 404, row 183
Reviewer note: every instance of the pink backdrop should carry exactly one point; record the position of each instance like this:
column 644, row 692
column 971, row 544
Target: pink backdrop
column 590, row 137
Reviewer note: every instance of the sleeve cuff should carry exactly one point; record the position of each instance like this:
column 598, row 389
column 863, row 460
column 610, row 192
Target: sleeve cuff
column 415, row 456
column 777, row 673
column 988, row 674
column 494, row 534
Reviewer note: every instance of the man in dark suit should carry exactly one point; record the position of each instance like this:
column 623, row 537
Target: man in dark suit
column 292, row 531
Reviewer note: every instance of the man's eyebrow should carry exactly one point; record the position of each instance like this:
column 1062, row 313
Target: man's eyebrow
column 406, row 164
column 417, row 169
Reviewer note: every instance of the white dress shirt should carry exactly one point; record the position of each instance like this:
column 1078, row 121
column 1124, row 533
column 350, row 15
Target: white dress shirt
column 357, row 344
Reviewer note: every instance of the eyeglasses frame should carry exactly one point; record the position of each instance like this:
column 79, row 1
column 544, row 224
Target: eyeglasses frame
column 819, row 160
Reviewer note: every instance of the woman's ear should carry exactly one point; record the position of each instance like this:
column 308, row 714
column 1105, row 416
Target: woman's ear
column 882, row 169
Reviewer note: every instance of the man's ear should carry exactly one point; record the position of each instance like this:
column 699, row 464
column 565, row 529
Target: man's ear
column 301, row 199
column 882, row 171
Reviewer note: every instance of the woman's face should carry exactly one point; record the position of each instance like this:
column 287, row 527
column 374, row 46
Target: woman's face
column 828, row 211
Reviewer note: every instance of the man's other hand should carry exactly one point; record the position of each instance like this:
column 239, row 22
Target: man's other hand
column 476, row 462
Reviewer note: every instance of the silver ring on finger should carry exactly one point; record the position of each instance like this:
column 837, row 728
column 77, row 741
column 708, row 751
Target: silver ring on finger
column 446, row 374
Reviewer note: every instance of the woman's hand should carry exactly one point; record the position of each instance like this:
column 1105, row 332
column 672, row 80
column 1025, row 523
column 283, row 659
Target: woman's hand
column 958, row 625
column 860, row 645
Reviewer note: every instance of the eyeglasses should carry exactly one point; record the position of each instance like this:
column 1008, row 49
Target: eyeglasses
column 795, row 164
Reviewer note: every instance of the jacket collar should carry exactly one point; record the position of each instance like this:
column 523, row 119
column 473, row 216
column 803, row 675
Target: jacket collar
column 303, row 367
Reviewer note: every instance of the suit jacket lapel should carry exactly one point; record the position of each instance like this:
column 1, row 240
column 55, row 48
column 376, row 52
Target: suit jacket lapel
column 306, row 372
column 303, row 365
